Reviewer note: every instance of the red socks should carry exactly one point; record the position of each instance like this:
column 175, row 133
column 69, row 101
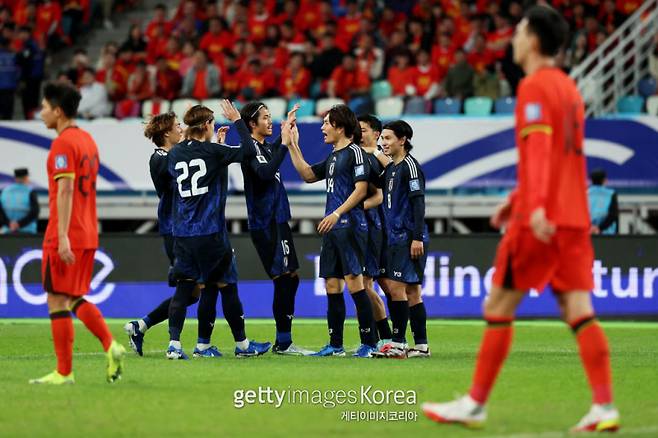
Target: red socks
column 595, row 355
column 61, row 326
column 494, row 348
column 93, row 320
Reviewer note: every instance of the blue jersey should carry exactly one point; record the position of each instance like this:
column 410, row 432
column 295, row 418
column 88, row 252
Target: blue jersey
column 342, row 169
column 402, row 182
column 200, row 170
column 374, row 215
column 264, row 191
column 164, row 187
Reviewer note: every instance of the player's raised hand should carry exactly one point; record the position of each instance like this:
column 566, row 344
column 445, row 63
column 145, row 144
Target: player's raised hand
column 295, row 135
column 417, row 249
column 286, row 133
column 229, row 111
column 501, row 215
column 541, row 227
column 64, row 251
column 292, row 115
column 327, row 223
column 221, row 134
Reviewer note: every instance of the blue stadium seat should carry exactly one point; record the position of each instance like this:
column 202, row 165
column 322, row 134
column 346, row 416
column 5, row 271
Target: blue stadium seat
column 447, row 106
column 478, row 106
column 647, row 86
column 630, row 105
column 361, row 105
column 416, row 105
column 306, row 107
column 381, row 90
column 316, row 89
column 505, row 105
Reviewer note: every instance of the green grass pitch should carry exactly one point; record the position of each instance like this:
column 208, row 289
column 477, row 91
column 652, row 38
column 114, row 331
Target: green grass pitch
column 541, row 392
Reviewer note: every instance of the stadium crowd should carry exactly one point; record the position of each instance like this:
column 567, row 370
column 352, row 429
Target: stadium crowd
column 293, row 49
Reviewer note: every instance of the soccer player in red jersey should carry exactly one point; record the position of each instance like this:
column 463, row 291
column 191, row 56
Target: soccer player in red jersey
column 72, row 235
column 547, row 239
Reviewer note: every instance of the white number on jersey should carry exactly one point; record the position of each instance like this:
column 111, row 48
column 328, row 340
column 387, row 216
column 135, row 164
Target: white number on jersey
column 185, row 167
column 330, row 185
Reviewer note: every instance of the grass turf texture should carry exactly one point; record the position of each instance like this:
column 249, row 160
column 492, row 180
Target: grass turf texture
column 542, row 390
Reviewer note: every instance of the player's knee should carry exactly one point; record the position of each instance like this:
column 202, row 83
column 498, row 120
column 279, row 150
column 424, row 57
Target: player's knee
column 333, row 285
column 58, row 302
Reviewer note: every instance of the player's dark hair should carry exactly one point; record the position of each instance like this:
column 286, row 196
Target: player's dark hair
column 195, row 118
column 158, row 126
column 372, row 121
column 401, row 129
column 250, row 113
column 63, row 96
column 550, row 28
column 341, row 116
column 598, row 176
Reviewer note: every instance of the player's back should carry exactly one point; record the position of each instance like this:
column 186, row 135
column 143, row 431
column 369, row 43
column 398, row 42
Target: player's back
column 549, row 102
column 74, row 154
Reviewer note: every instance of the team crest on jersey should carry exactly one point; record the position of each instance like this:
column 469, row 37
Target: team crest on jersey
column 61, row 162
column 532, row 111
column 261, row 159
column 359, row 170
column 414, row 185
column 331, row 168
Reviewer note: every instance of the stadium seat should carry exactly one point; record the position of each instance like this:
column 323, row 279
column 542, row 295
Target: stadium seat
column 389, row 107
column 652, row 105
column 630, row 105
column 179, row 106
column 316, row 89
column 150, row 108
column 647, row 86
column 380, row 90
column 306, row 107
column 214, row 105
column 415, row 105
column 361, row 105
column 478, row 106
column 505, row 105
column 324, row 105
column 447, row 106
column 277, row 107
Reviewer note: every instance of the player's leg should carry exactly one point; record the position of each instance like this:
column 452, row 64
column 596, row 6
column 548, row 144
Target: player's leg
column 364, row 315
column 381, row 328
column 417, row 321
column 399, row 310
column 177, row 312
column 206, row 315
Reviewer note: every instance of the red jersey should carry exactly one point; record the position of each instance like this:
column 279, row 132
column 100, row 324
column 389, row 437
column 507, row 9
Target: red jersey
column 214, row 45
column 443, row 58
column 399, row 78
column 550, row 121
column 74, row 154
column 480, row 60
column 346, row 81
column 423, row 78
column 296, row 84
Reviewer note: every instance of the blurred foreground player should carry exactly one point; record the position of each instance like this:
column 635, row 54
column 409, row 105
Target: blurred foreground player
column 547, row 238
column 71, row 237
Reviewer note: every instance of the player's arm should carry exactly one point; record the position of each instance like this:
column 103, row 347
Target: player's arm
column 307, row 172
column 160, row 174
column 234, row 154
column 416, row 193
column 65, row 188
column 360, row 192
column 375, row 199
column 383, row 159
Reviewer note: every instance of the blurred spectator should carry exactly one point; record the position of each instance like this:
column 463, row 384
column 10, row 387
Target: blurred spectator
column 140, row 88
column 486, row 84
column 578, row 52
column 348, row 25
column 79, row 63
column 609, row 17
column 230, row 76
column 369, row 57
column 396, row 44
column 627, row 7
column 258, row 21
column 443, row 54
column 159, row 22
column 48, row 30
column 425, row 78
column 167, row 80
column 9, row 75
column 347, row 81
column 135, row 43
column 256, row 82
column 216, row 41
column 30, row 59
column 202, row 81
column 480, row 57
column 94, row 101
column 417, row 38
column 499, row 39
column 400, row 76
column 459, row 80
column 75, row 13
column 173, row 52
column 19, row 206
column 296, row 79
column 187, row 62
column 603, row 205
column 327, row 59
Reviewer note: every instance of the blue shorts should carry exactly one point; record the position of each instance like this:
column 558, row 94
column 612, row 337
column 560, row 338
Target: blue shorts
column 399, row 266
column 374, row 252
column 276, row 249
column 343, row 253
column 205, row 259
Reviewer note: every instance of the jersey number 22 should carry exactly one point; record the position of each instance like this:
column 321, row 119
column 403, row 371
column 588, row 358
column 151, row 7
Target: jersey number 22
column 194, row 183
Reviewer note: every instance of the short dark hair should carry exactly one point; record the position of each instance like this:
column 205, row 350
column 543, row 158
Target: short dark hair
column 401, row 129
column 372, row 121
column 598, row 176
column 550, row 28
column 249, row 113
column 64, row 96
column 341, row 116
column 158, row 126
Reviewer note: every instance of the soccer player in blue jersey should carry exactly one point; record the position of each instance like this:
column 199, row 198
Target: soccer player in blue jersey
column 344, row 229
column 406, row 242
column 164, row 131
column 371, row 128
column 269, row 213
column 202, row 250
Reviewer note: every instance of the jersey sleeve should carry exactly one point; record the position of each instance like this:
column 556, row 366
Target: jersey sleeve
column 534, row 116
column 377, row 171
column 360, row 165
column 227, row 154
column 267, row 169
column 63, row 156
column 160, row 174
column 414, row 179
column 320, row 169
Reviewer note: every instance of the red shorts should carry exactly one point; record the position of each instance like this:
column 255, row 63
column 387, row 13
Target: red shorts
column 61, row 278
column 523, row 262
